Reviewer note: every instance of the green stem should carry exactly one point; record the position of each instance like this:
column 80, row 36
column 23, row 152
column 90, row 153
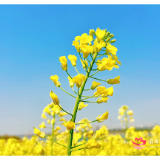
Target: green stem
column 65, row 110
column 94, row 73
column 77, row 103
column 67, row 92
column 88, row 60
column 88, row 97
column 58, row 143
column 79, row 149
column 91, row 56
column 53, row 139
column 98, row 79
column 90, row 101
column 61, row 144
column 76, row 69
column 68, row 74
column 79, row 145
column 87, row 89
column 76, row 92
column 85, row 122
column 126, row 120
column 101, row 55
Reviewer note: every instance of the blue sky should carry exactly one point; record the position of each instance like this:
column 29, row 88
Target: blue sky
column 33, row 37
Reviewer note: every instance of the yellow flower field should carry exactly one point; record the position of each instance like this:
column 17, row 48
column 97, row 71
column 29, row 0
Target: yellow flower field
column 100, row 143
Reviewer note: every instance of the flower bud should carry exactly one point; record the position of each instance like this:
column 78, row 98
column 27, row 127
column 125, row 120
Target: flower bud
column 107, row 34
column 108, row 39
column 70, row 125
column 113, row 40
column 111, row 35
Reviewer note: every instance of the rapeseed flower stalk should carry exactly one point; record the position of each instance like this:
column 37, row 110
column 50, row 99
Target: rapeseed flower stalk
column 126, row 114
column 89, row 48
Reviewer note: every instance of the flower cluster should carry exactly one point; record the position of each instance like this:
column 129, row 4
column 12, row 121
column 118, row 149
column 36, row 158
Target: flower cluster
column 86, row 142
column 90, row 47
column 124, row 112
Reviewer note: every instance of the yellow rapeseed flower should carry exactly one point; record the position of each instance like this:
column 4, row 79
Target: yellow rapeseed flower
column 77, row 46
column 91, row 32
column 52, row 121
column 57, row 128
column 84, row 39
column 63, row 61
column 71, row 82
column 73, row 59
column 48, row 121
column 70, row 125
column 50, row 105
column 39, row 149
column 102, row 117
column 82, row 105
column 111, row 49
column 76, row 137
column 79, row 79
column 42, row 125
column 100, row 34
column 114, row 81
column 103, row 91
column 55, row 80
column 130, row 112
column 54, row 98
column 56, row 109
column 125, row 107
column 62, row 119
column 103, row 99
column 99, row 45
column 46, row 110
column 44, row 116
column 121, row 112
column 62, row 114
column 119, row 117
column 91, row 143
column 95, row 84
column 86, row 50
column 108, row 92
column 132, row 120
column 106, row 63
column 99, row 91
column 39, row 133
column 102, row 153
column 116, row 59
